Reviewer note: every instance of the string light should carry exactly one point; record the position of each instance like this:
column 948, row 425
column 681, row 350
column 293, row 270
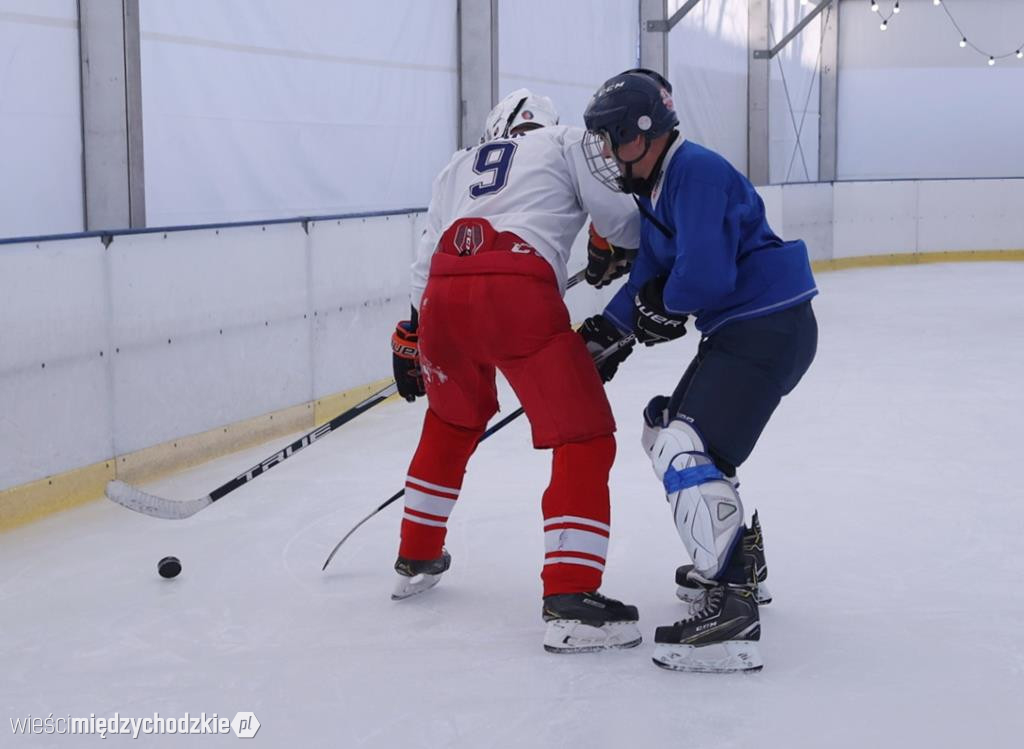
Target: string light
column 964, row 42
column 884, row 25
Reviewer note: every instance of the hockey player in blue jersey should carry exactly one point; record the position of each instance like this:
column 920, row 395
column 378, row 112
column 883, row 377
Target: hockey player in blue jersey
column 706, row 252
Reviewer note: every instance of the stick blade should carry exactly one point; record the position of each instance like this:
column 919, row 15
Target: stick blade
column 135, row 499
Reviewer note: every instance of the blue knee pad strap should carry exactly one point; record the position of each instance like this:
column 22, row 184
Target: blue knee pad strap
column 675, row 480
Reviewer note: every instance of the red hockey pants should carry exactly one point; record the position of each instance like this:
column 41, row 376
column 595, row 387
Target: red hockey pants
column 500, row 308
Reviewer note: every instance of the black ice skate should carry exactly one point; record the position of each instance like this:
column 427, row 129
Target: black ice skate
column 721, row 638
column 586, row 622
column 693, row 588
column 418, row 575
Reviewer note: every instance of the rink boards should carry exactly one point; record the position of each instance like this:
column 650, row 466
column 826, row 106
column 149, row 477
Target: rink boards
column 134, row 355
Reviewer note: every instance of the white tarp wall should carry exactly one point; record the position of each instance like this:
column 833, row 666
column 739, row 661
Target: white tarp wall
column 707, row 66
column 913, row 104
column 708, row 56
column 40, row 118
column 565, row 49
column 257, row 110
column 794, row 100
column 266, row 109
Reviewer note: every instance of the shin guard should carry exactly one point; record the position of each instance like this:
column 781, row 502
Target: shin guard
column 705, row 506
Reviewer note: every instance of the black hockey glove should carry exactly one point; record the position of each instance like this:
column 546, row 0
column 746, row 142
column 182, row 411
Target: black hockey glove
column 599, row 333
column 606, row 262
column 405, row 359
column 653, row 323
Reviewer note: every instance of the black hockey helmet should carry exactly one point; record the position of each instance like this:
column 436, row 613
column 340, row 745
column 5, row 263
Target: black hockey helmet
column 637, row 102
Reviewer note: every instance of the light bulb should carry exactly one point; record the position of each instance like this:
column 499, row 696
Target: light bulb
column 884, row 25
column 874, row 6
column 1020, row 54
column 963, row 42
column 936, row 2
column 991, row 61
column 896, row 8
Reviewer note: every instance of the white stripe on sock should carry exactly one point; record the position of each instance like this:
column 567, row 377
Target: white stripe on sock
column 428, row 503
column 435, row 487
column 578, row 521
column 574, row 560
column 422, row 521
column 573, row 539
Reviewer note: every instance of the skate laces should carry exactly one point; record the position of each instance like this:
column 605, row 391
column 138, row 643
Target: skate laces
column 712, row 603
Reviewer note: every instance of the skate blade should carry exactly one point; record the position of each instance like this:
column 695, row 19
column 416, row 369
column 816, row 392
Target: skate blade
column 573, row 636
column 734, row 656
column 695, row 595
column 407, row 587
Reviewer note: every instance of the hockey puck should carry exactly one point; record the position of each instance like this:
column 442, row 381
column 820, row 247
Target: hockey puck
column 169, row 567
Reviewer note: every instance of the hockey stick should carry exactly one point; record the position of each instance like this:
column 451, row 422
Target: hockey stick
column 135, row 499
column 629, row 339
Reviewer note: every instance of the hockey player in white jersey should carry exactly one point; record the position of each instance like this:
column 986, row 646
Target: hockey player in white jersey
column 487, row 289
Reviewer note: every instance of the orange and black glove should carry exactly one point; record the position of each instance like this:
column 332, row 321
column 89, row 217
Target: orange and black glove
column 405, row 359
column 606, row 262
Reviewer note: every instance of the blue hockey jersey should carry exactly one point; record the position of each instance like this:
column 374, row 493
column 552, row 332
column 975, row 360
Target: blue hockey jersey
column 723, row 261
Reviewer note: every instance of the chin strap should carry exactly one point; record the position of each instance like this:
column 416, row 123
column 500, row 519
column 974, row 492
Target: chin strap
column 512, row 117
column 645, row 186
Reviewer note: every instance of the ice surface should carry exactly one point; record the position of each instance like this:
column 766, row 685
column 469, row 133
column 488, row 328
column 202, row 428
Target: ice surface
column 890, row 495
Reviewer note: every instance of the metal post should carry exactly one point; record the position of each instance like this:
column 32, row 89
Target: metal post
column 758, row 89
column 478, row 66
column 111, row 114
column 829, row 98
column 653, row 33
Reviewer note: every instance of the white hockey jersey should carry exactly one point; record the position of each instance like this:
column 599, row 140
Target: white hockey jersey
column 535, row 185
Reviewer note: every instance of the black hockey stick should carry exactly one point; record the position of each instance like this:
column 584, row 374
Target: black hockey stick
column 627, row 340
column 401, row 492
column 135, row 499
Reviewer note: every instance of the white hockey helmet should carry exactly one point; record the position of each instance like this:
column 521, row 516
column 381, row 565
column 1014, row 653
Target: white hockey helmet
column 521, row 107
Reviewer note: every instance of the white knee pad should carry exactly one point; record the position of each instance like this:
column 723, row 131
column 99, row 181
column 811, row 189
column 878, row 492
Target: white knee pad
column 705, row 506
column 656, row 418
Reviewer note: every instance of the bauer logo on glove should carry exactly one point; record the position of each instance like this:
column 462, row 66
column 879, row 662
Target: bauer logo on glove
column 653, row 323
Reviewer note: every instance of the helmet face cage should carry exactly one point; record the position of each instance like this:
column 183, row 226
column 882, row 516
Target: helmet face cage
column 604, row 169
column 631, row 105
